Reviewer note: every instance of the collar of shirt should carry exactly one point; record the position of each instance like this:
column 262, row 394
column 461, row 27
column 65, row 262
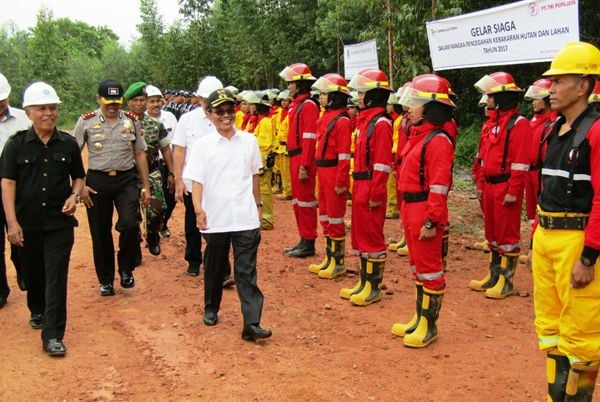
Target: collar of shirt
column 32, row 136
column 6, row 116
column 217, row 137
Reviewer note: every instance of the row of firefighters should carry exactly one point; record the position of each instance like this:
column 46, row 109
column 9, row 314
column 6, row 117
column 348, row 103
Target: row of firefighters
column 307, row 137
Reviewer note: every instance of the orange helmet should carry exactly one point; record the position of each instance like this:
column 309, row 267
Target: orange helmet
column 595, row 96
column 427, row 88
column 497, row 82
column 368, row 79
column 539, row 89
column 331, row 83
column 296, row 72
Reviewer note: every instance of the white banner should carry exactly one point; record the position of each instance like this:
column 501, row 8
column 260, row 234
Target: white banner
column 529, row 31
column 360, row 56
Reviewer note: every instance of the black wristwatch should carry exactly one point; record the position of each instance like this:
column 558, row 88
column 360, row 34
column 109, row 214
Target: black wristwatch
column 587, row 262
column 429, row 224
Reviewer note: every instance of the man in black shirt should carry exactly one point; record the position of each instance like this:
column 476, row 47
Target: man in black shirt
column 42, row 178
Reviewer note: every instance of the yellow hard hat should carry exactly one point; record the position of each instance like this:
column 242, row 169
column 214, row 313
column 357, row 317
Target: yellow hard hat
column 576, row 58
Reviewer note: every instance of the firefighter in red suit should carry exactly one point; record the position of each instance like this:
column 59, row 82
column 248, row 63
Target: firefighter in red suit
column 372, row 165
column 425, row 177
column 334, row 130
column 541, row 125
column 505, row 161
column 302, row 136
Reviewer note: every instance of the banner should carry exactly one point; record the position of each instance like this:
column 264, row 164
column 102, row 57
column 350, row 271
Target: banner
column 522, row 32
column 360, row 56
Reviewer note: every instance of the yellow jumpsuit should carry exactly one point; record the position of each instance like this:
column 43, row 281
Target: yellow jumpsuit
column 265, row 138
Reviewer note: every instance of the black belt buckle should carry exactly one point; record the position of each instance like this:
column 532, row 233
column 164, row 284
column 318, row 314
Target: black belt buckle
column 563, row 222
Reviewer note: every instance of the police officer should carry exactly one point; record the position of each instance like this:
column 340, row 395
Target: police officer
column 42, row 177
column 116, row 158
column 11, row 121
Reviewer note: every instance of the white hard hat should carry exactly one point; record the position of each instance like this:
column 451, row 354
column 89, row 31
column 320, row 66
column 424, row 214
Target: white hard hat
column 4, row 87
column 208, row 85
column 151, row 90
column 40, row 93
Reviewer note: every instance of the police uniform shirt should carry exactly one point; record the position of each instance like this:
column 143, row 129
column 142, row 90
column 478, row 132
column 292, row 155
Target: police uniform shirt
column 14, row 120
column 109, row 148
column 43, row 173
column 191, row 127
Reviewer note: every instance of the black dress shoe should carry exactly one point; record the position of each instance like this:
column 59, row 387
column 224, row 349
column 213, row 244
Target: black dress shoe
column 228, row 282
column 54, row 347
column 253, row 332
column 290, row 248
column 154, row 243
column 36, row 321
column 306, row 249
column 210, row 319
column 127, row 280
column 107, row 289
column 165, row 232
column 193, row 270
column 2, row 301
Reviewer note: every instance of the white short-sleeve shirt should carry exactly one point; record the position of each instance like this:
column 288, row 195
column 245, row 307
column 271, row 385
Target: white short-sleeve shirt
column 191, row 126
column 225, row 169
column 15, row 120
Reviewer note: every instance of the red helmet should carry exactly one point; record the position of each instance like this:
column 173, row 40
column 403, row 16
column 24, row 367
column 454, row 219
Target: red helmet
column 331, row 83
column 497, row 82
column 368, row 79
column 296, row 72
column 427, row 88
column 539, row 89
column 595, row 96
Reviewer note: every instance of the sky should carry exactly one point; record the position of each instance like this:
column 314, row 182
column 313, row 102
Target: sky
column 121, row 16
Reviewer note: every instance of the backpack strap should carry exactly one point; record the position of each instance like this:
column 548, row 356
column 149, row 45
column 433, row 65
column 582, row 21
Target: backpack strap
column 511, row 123
column 429, row 137
column 370, row 130
column 329, row 129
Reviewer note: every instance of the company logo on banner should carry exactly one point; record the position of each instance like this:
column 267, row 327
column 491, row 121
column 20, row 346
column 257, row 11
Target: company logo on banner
column 360, row 56
column 523, row 32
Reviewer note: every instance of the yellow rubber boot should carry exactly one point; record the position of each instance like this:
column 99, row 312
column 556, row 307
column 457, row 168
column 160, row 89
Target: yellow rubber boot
column 315, row 268
column 403, row 251
column 504, row 286
column 371, row 292
column 492, row 276
column 394, row 246
column 336, row 265
column 481, row 246
column 581, row 383
column 557, row 372
column 346, row 293
column 401, row 329
column 426, row 331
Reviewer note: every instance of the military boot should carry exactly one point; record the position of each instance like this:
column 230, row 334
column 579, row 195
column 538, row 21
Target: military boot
column 492, row 276
column 504, row 286
column 346, row 293
column 581, row 383
column 371, row 292
column 401, row 329
column 315, row 268
column 557, row 372
column 295, row 246
column 306, row 249
column 336, row 265
column 426, row 331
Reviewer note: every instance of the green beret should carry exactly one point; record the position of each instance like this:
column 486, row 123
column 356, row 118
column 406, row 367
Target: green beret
column 135, row 89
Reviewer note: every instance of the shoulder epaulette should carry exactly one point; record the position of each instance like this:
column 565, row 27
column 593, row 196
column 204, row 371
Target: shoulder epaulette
column 132, row 116
column 88, row 115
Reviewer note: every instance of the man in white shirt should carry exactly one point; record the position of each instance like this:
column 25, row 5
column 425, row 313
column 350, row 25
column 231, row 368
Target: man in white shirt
column 12, row 120
column 154, row 104
column 191, row 127
column 224, row 167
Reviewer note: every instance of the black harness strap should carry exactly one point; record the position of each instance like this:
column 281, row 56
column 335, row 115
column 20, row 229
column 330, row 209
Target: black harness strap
column 329, row 129
column 370, row 129
column 429, row 137
column 511, row 123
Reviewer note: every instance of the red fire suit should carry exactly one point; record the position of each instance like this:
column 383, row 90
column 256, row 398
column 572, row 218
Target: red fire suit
column 302, row 136
column 541, row 124
column 425, row 198
column 370, row 181
column 486, row 129
column 333, row 165
column 503, row 171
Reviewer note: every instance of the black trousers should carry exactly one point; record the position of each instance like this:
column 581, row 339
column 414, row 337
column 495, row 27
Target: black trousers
column 193, row 239
column 14, row 256
column 216, row 259
column 120, row 192
column 45, row 259
column 169, row 197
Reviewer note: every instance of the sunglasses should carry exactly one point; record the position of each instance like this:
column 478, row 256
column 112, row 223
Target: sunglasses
column 222, row 112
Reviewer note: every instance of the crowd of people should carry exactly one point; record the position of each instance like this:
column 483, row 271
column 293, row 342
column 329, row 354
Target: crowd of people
column 323, row 144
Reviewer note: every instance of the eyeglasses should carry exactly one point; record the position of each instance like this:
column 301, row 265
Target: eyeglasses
column 223, row 112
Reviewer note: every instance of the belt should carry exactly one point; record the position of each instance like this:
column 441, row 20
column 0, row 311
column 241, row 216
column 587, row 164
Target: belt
column 563, row 222
column 111, row 172
column 367, row 175
column 415, row 197
column 327, row 162
column 501, row 178
column 294, row 152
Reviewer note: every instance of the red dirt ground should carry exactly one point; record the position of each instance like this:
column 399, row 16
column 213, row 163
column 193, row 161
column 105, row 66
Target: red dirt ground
column 149, row 343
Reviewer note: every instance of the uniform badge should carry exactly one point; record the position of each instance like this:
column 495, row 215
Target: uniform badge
column 97, row 125
column 99, row 136
column 127, row 127
column 98, row 145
